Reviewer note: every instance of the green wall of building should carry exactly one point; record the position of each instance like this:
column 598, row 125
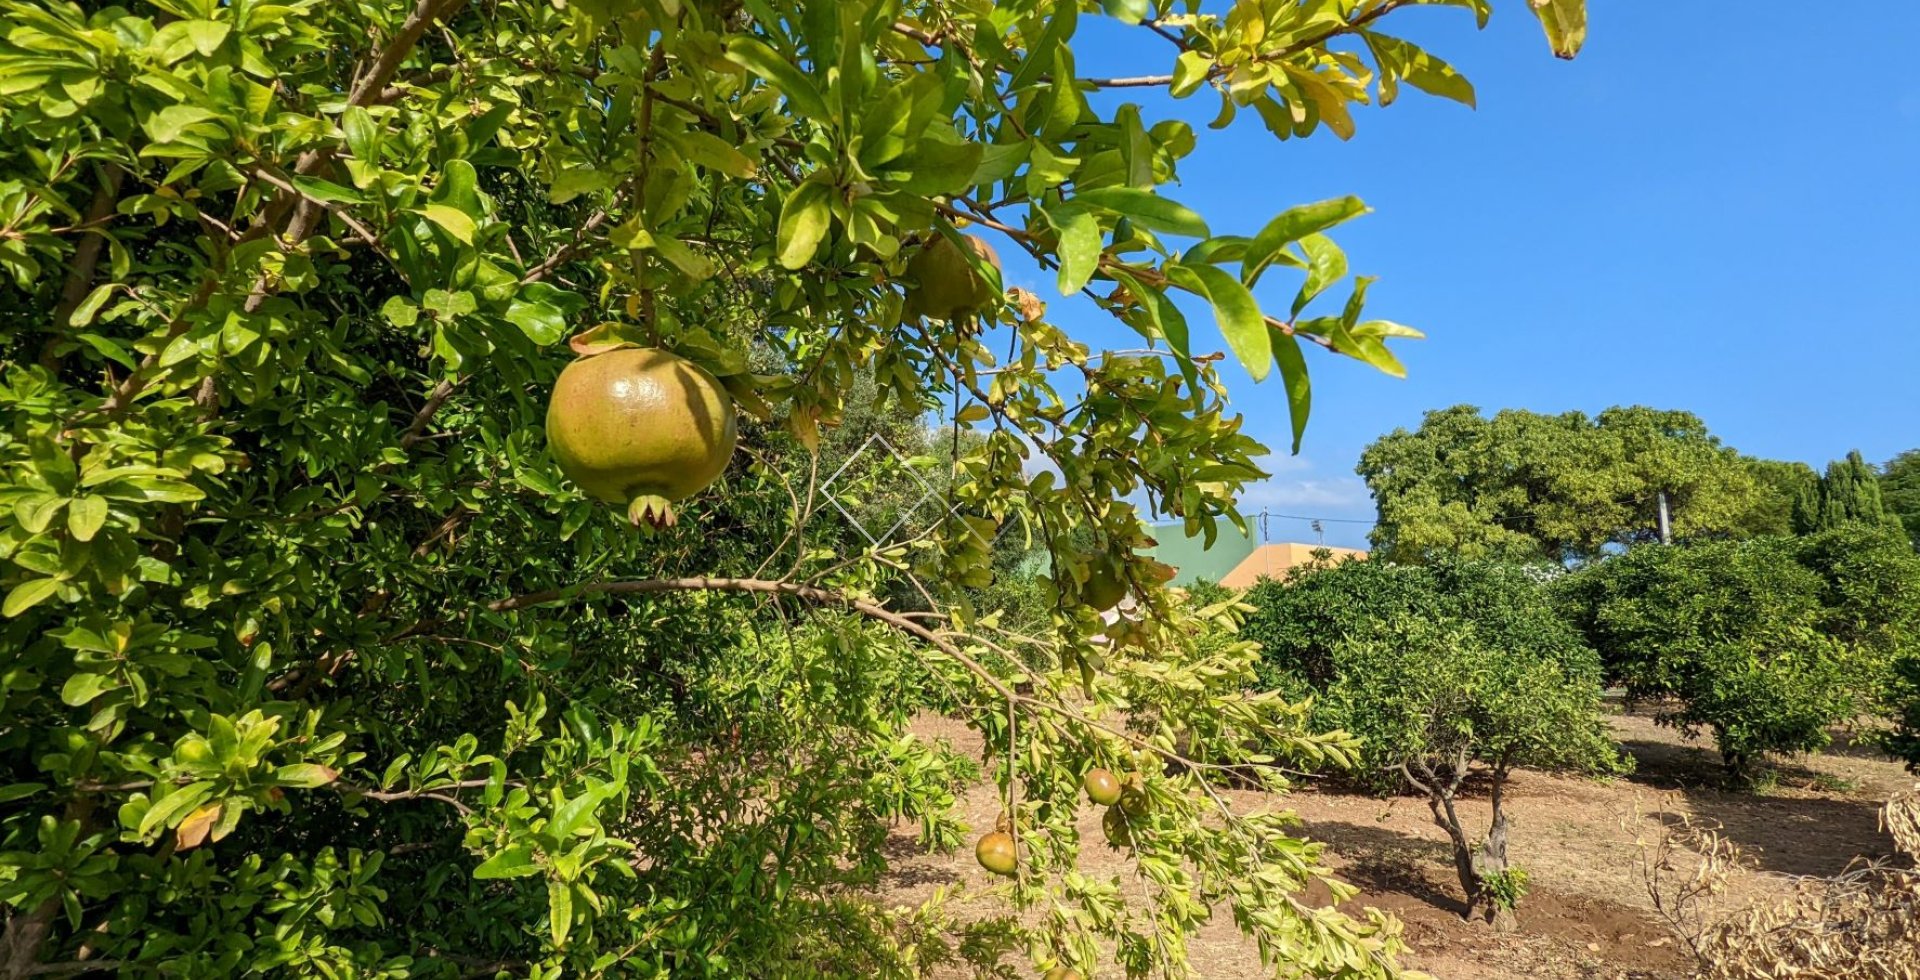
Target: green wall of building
column 1191, row 556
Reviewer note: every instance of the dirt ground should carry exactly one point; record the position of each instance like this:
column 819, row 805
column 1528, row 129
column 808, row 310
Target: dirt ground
column 1586, row 914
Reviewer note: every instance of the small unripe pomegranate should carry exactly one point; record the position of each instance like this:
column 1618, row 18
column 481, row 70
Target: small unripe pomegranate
column 640, row 427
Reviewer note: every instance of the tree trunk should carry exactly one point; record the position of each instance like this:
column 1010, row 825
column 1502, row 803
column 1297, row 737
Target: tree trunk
column 1440, row 801
column 20, row 943
column 1491, row 861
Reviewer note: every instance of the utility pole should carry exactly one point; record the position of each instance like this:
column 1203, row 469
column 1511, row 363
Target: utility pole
column 1320, row 533
column 1666, row 527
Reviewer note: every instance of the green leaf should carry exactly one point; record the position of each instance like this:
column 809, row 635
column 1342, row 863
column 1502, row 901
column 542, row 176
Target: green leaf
column 166, row 125
column 1291, row 226
column 691, row 264
column 755, row 56
column 1236, row 311
column 400, row 311
column 559, row 910
column 1386, row 328
column 1293, row 373
column 85, row 515
column 108, row 349
column 514, row 862
column 174, row 804
column 81, row 689
column 1565, row 22
column 543, row 323
column 1425, row 71
column 1146, row 208
column 572, row 815
column 803, row 223
column 1080, row 247
column 1326, row 265
column 327, row 191
column 90, row 307
column 304, row 775
column 570, row 184
column 28, row 594
column 19, row 791
column 207, row 35
column 1127, row 11
column 1368, row 350
column 1189, row 73
column 455, row 221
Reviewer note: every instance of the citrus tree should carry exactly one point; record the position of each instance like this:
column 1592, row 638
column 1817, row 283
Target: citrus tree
column 314, row 662
column 1450, row 671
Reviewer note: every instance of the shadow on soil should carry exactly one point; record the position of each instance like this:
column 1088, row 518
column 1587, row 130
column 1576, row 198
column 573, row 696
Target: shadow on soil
column 1786, row 834
column 1379, row 860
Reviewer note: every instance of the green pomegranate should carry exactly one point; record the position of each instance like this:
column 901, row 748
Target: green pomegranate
column 996, row 853
column 1106, row 586
column 1114, row 824
column 1063, row 973
column 1102, row 787
column 640, row 427
column 947, row 286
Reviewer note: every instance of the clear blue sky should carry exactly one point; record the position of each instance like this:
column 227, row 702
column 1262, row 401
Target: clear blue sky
column 1714, row 208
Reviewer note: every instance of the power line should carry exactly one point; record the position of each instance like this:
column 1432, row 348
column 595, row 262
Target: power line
column 1328, row 520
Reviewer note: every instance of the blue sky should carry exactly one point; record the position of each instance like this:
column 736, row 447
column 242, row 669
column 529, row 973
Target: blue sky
column 1710, row 209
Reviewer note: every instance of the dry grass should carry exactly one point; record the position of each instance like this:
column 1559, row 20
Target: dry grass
column 1588, row 913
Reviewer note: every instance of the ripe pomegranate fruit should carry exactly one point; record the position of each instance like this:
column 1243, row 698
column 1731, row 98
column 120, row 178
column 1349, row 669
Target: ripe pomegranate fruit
column 996, row 853
column 640, row 427
column 1102, row 787
column 946, row 285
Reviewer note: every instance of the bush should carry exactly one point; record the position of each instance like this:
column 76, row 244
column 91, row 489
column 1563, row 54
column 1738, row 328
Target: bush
column 1766, row 642
column 1442, row 671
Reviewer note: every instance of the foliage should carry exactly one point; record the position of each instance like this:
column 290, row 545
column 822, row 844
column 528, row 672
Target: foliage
column 1900, row 491
column 1766, row 642
column 1301, row 621
column 1521, row 486
column 1849, row 494
column 313, row 665
column 1793, row 506
column 1441, row 671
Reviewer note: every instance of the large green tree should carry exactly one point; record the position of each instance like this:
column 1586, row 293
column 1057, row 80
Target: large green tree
column 1526, row 486
column 1850, row 494
column 312, row 662
column 1900, row 491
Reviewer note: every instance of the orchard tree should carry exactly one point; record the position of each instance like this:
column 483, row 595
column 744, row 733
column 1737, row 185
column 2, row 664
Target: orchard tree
column 1521, row 486
column 1767, row 643
column 314, row 662
column 1445, row 671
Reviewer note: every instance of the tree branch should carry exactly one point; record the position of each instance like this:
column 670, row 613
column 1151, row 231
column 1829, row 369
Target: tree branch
column 86, row 258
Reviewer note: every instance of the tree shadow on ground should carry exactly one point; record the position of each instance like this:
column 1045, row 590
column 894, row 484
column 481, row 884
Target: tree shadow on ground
column 1379, row 861
column 909, row 864
column 1795, row 835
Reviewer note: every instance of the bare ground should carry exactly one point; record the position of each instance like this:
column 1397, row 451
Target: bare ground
column 1587, row 913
